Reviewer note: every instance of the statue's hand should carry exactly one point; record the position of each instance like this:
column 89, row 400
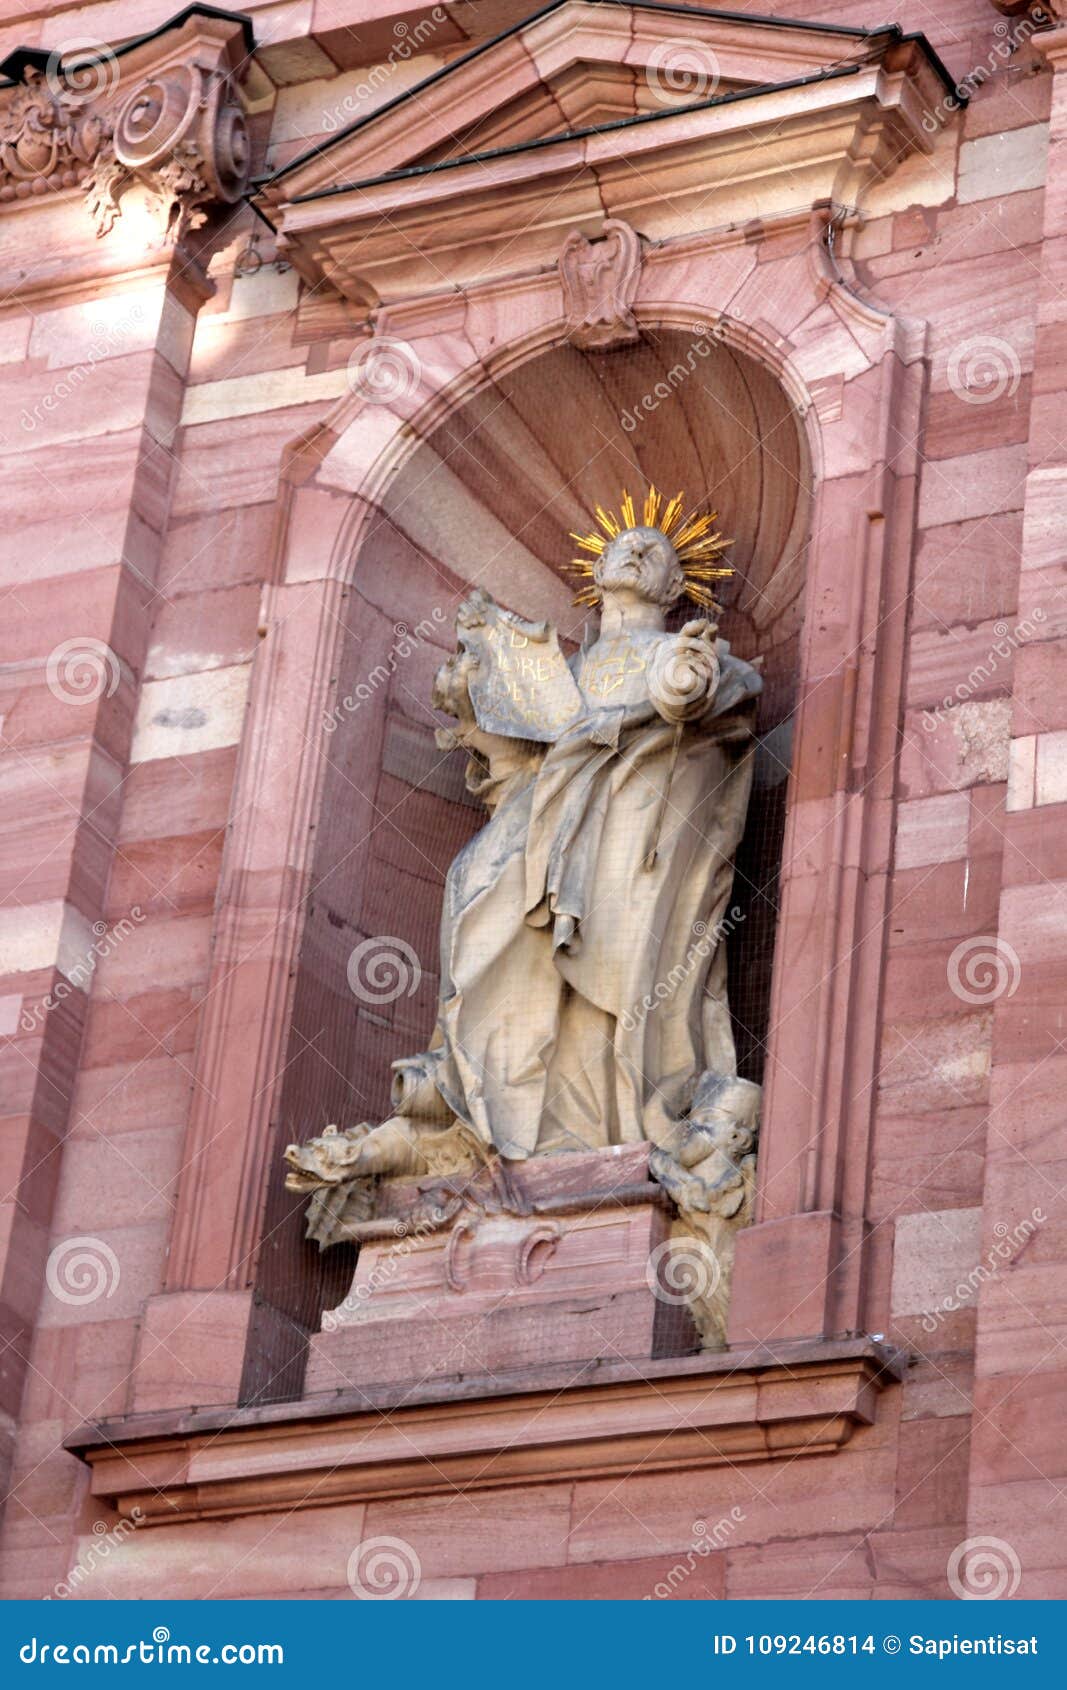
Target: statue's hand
column 701, row 628
column 684, row 672
column 476, row 609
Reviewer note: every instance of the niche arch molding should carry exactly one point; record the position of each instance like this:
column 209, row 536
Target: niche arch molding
column 854, row 376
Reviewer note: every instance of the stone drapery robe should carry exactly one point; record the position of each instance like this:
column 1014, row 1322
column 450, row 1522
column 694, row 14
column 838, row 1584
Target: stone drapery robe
column 582, row 963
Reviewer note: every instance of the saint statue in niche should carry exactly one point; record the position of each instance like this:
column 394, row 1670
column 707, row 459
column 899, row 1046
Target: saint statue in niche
column 583, row 968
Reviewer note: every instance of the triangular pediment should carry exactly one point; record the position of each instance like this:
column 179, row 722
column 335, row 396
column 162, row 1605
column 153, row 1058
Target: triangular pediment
column 575, row 66
column 674, row 119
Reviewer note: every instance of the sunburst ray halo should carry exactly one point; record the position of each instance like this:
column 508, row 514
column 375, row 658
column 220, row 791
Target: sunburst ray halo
column 693, row 537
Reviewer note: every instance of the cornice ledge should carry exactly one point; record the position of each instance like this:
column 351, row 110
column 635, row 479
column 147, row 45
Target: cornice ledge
column 538, row 1426
column 371, row 233
column 906, row 335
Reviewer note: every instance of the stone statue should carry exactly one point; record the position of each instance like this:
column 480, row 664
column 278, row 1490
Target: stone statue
column 583, row 968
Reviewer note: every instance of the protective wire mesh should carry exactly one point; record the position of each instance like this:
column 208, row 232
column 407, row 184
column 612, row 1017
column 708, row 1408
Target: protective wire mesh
column 489, row 499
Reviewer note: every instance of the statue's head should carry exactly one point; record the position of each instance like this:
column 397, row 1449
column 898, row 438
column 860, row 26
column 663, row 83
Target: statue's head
column 727, row 1110
column 651, row 561
column 640, row 563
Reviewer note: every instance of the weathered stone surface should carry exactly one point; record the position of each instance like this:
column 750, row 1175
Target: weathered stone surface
column 201, row 498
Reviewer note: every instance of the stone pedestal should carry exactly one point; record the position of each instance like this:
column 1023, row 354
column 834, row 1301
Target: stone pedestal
column 581, row 1274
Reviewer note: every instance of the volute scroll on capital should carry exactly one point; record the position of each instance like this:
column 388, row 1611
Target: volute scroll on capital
column 164, row 114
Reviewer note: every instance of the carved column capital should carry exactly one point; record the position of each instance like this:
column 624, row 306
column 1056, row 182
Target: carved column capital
column 181, row 134
column 164, row 114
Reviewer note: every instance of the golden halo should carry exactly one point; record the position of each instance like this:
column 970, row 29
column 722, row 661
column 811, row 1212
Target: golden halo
column 692, row 537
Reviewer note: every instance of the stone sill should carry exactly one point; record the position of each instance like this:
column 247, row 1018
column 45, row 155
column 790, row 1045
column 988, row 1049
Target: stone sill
column 599, row 1422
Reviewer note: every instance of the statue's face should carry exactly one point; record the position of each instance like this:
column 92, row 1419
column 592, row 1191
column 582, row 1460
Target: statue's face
column 642, row 563
column 727, row 1109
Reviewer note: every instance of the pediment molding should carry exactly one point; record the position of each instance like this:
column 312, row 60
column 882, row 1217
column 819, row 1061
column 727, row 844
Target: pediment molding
column 549, row 75
column 580, row 114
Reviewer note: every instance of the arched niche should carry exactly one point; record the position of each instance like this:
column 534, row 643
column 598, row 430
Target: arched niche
column 488, row 496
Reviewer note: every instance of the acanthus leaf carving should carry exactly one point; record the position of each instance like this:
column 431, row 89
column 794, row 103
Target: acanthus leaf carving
column 174, row 127
column 182, row 136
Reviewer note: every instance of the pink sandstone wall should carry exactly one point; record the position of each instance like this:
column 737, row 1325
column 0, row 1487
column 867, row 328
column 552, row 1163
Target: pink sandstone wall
column 138, row 512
